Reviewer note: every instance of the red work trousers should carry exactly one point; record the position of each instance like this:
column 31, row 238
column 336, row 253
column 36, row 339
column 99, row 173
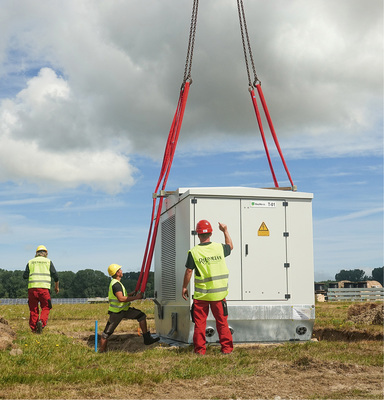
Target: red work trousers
column 200, row 314
column 36, row 296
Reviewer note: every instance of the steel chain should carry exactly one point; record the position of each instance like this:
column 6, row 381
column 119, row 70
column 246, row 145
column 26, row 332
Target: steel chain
column 243, row 28
column 191, row 43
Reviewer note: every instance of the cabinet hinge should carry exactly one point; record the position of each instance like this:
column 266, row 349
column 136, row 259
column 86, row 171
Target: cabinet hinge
column 285, row 203
column 285, row 234
column 286, row 265
column 287, row 296
column 194, row 201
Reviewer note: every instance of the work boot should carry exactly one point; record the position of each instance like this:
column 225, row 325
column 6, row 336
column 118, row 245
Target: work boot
column 103, row 345
column 148, row 339
column 39, row 326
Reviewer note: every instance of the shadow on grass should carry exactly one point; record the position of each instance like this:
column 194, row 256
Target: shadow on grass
column 130, row 343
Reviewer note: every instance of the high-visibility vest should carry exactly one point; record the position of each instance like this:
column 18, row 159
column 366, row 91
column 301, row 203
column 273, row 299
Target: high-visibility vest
column 39, row 273
column 212, row 284
column 114, row 304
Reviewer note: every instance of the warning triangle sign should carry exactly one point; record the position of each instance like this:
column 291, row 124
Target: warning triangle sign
column 263, row 230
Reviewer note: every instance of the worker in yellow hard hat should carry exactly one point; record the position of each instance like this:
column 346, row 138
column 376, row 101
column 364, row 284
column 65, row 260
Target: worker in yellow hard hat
column 120, row 308
column 39, row 272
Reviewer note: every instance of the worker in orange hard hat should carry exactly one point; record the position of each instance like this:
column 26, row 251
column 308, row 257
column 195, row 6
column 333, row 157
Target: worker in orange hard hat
column 39, row 272
column 120, row 308
column 211, row 285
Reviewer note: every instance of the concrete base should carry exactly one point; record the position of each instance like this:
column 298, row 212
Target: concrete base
column 248, row 323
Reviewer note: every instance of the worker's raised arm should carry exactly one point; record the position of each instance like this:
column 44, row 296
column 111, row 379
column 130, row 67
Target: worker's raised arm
column 227, row 238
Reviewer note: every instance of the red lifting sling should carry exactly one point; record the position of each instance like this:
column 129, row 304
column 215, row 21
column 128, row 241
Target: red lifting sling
column 257, row 85
column 169, row 152
column 165, row 169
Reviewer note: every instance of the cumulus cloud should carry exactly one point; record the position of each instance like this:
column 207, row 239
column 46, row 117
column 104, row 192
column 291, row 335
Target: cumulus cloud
column 44, row 140
column 93, row 82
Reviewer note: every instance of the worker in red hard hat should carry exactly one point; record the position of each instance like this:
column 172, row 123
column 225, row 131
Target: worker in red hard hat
column 39, row 272
column 120, row 308
column 211, row 285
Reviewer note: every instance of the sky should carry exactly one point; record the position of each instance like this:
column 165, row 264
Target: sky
column 88, row 90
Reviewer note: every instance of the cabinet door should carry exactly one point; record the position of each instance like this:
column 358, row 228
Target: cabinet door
column 226, row 211
column 263, row 249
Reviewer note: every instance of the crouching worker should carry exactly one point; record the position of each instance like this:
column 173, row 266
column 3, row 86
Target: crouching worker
column 119, row 309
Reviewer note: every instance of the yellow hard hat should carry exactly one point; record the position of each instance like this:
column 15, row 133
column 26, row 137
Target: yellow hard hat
column 40, row 248
column 113, row 268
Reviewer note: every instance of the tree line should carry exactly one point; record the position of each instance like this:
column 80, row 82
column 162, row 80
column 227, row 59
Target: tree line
column 357, row 275
column 82, row 284
column 92, row 283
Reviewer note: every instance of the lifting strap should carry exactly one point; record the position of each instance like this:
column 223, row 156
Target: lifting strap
column 174, row 132
column 169, row 153
column 257, row 84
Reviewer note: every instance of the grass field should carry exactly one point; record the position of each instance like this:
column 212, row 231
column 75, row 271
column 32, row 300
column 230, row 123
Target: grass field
column 62, row 362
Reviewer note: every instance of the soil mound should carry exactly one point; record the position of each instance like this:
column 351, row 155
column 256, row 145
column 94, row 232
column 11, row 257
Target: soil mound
column 366, row 313
column 7, row 335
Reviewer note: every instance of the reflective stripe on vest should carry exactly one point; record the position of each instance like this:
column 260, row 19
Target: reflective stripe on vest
column 114, row 304
column 39, row 273
column 212, row 284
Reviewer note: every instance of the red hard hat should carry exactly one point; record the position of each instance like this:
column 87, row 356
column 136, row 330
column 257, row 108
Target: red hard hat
column 203, row 226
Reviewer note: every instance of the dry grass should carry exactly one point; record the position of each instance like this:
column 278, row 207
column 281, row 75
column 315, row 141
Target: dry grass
column 62, row 362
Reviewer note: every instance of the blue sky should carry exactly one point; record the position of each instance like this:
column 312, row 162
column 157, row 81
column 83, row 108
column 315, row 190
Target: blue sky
column 87, row 96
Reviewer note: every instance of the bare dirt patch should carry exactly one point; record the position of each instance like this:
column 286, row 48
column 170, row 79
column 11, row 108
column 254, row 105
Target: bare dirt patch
column 129, row 343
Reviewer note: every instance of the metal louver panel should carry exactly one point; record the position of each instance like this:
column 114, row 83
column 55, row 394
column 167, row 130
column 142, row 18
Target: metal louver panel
column 168, row 259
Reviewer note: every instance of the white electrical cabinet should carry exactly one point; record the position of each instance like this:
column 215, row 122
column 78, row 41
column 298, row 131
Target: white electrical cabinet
column 271, row 273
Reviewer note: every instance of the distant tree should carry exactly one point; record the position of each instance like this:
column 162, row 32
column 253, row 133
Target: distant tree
column 130, row 279
column 2, row 290
column 21, row 293
column 150, row 290
column 378, row 275
column 66, row 279
column 84, row 283
column 4, row 275
column 90, row 283
column 12, row 284
column 15, row 285
column 353, row 275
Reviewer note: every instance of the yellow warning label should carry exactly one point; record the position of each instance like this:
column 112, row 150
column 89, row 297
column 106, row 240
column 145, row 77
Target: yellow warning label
column 263, row 230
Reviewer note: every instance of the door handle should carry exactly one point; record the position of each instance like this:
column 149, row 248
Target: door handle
column 246, row 249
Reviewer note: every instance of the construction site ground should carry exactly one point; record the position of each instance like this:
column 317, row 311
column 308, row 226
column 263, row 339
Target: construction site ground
column 304, row 377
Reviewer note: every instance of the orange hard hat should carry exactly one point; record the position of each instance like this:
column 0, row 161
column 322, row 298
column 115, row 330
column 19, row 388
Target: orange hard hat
column 203, row 226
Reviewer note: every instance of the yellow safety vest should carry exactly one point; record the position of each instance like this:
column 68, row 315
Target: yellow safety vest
column 114, row 304
column 39, row 273
column 212, row 284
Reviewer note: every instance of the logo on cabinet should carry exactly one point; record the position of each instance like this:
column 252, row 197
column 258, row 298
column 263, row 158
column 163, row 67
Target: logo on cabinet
column 263, row 230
